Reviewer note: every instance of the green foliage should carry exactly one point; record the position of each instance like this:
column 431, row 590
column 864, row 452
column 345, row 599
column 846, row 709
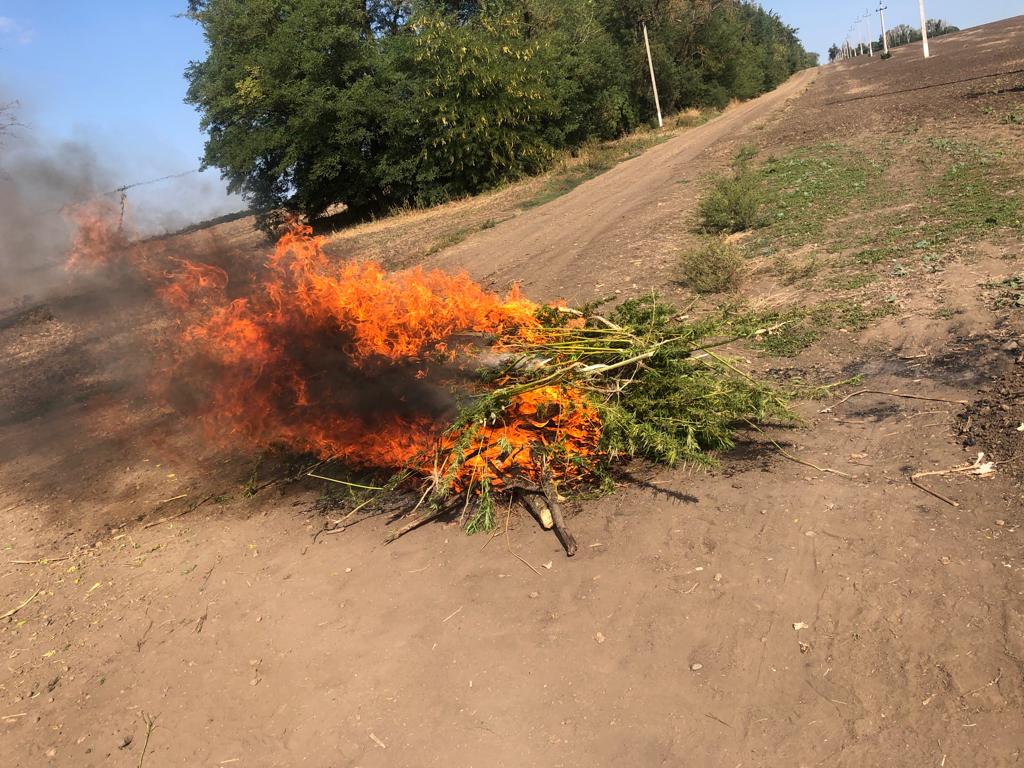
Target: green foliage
column 714, row 268
column 680, row 406
column 660, row 389
column 384, row 103
column 484, row 105
column 1009, row 292
column 734, row 203
column 813, row 185
column 789, row 331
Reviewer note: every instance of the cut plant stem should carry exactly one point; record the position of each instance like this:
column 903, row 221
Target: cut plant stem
column 346, row 482
column 567, row 539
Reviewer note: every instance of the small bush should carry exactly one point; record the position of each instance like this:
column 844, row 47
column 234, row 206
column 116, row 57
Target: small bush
column 715, row 268
column 734, row 204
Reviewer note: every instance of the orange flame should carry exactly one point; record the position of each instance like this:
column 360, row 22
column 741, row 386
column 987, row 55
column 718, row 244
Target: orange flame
column 340, row 360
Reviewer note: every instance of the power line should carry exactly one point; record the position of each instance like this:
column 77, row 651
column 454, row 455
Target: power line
column 118, row 191
column 126, row 187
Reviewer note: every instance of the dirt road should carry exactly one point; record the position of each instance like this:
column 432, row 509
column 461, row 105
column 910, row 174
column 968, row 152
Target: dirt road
column 768, row 613
column 588, row 237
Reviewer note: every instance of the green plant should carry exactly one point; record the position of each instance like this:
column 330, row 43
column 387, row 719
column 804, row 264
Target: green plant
column 641, row 382
column 714, row 268
column 734, row 203
column 1010, row 292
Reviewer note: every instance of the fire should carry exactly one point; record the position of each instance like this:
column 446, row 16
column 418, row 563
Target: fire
column 347, row 360
column 558, row 420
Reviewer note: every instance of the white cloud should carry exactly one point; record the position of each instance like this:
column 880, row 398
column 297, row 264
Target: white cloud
column 10, row 28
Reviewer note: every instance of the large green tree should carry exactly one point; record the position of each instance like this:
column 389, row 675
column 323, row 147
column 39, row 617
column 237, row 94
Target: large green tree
column 376, row 103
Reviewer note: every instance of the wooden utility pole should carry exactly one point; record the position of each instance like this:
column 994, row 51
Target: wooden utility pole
column 924, row 28
column 654, row 83
column 885, row 36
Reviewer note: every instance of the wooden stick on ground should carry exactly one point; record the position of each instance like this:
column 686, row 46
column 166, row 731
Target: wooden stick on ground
column 424, row 518
column 18, row 608
column 529, row 500
column 936, row 494
column 187, row 510
column 41, row 561
column 551, row 495
column 979, row 467
column 891, row 394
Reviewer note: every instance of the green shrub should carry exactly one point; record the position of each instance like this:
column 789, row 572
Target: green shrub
column 715, row 268
column 734, row 204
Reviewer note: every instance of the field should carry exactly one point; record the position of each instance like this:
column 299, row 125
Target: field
column 808, row 602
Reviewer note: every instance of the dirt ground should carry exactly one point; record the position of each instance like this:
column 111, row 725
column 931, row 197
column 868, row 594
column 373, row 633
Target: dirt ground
column 767, row 613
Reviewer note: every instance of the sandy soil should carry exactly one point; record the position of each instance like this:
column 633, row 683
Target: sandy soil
column 764, row 614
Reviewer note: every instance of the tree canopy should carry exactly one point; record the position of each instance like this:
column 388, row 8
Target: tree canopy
column 379, row 103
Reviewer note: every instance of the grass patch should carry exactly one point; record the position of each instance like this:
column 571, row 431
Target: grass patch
column 736, row 202
column 455, row 237
column 922, row 199
column 795, row 269
column 852, row 282
column 971, row 199
column 592, row 161
column 715, row 268
column 1010, row 292
column 788, row 332
column 815, row 185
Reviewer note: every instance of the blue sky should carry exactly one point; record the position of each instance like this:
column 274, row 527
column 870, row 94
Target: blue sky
column 109, row 75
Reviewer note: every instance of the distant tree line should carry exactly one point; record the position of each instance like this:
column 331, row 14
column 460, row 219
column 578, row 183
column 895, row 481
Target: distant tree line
column 380, row 103
column 902, row 34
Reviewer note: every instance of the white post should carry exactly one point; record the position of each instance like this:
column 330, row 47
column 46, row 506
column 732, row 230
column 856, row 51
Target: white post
column 654, row 83
column 867, row 25
column 924, row 28
column 885, row 37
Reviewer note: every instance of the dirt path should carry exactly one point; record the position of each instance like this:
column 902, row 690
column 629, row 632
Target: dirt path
column 764, row 614
column 588, row 237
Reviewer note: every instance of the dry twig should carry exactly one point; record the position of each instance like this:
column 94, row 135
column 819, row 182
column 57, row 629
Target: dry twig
column 18, row 608
column 891, row 394
column 797, row 459
column 150, row 721
column 508, row 542
column 188, row 509
column 978, row 467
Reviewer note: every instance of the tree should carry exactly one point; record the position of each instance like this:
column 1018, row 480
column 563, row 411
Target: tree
column 378, row 103
column 292, row 99
column 484, row 102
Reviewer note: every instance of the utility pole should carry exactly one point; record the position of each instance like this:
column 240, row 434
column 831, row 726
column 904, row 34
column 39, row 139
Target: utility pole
column 924, row 28
column 654, row 83
column 885, row 38
column 867, row 26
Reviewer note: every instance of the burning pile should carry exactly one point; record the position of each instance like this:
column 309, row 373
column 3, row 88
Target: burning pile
column 427, row 377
